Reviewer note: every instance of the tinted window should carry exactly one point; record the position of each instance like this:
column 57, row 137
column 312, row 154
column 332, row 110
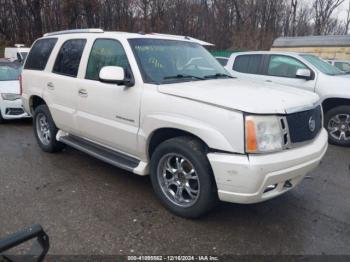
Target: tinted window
column 68, row 58
column 40, row 53
column 249, row 64
column 284, row 66
column 105, row 52
column 222, row 61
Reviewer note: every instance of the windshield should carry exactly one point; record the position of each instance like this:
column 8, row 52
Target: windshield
column 323, row 66
column 9, row 72
column 166, row 61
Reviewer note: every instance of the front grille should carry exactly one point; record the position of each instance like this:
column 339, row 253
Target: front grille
column 14, row 111
column 304, row 126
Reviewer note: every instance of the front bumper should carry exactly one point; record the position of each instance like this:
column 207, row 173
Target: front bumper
column 255, row 178
column 12, row 109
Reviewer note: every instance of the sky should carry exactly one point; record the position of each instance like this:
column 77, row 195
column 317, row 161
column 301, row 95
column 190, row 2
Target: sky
column 341, row 12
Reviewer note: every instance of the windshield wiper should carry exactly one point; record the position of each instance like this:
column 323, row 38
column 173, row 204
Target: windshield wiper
column 218, row 75
column 180, row 76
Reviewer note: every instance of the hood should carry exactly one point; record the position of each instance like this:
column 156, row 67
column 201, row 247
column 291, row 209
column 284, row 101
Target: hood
column 11, row 87
column 244, row 95
column 347, row 76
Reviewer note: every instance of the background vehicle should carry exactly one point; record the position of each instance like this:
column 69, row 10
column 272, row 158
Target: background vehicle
column 10, row 98
column 157, row 105
column 306, row 72
column 17, row 53
column 222, row 60
column 343, row 65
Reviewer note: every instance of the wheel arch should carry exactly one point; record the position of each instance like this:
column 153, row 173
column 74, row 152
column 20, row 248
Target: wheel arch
column 35, row 101
column 160, row 135
column 333, row 102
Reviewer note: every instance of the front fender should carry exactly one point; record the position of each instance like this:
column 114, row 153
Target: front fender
column 209, row 134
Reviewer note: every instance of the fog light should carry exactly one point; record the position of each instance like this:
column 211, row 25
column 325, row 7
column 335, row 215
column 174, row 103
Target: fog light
column 288, row 184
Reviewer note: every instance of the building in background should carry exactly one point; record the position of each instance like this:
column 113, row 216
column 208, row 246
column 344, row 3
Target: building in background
column 330, row 47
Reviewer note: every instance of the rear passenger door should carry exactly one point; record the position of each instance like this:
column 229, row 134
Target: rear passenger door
column 247, row 66
column 282, row 69
column 61, row 90
column 108, row 114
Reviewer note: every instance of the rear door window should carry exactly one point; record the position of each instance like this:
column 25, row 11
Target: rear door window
column 284, row 66
column 40, row 53
column 105, row 52
column 68, row 58
column 249, row 64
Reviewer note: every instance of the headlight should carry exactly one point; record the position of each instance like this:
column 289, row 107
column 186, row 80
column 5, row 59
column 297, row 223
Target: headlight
column 263, row 134
column 11, row 97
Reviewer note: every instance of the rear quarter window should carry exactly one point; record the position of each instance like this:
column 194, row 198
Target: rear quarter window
column 40, row 53
column 68, row 58
column 249, row 64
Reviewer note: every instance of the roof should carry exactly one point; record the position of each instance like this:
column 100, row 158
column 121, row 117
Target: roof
column 267, row 53
column 308, row 41
column 128, row 35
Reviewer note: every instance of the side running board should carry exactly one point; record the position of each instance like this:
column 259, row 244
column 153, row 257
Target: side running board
column 105, row 154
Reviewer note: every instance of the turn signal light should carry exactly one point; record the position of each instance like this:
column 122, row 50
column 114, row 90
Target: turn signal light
column 250, row 136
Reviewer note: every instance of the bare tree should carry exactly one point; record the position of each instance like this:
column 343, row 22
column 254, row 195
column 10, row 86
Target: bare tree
column 347, row 21
column 229, row 24
column 323, row 11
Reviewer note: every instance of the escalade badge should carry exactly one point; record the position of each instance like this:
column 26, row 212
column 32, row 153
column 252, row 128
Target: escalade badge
column 312, row 124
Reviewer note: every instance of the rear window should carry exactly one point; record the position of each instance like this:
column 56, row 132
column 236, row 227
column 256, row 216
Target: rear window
column 222, row 61
column 249, row 64
column 68, row 58
column 9, row 71
column 40, row 53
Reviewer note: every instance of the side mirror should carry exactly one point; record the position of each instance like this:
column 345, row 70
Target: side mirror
column 304, row 74
column 114, row 75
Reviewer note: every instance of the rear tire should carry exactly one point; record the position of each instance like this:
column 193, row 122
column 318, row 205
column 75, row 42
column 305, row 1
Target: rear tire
column 182, row 177
column 45, row 130
column 337, row 123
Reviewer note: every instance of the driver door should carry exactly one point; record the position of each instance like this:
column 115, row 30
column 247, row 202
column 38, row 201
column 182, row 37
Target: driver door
column 282, row 69
column 107, row 113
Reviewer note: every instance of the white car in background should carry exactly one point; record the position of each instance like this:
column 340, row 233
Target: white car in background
column 10, row 98
column 17, row 53
column 307, row 72
column 343, row 65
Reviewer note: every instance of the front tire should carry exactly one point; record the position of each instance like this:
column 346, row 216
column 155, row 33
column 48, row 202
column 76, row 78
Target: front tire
column 337, row 123
column 45, row 130
column 182, row 177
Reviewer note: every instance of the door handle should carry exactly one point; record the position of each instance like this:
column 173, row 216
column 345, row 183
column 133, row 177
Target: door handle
column 268, row 81
column 50, row 86
column 83, row 92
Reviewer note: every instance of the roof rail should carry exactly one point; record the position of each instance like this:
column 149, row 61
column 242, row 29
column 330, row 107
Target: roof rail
column 181, row 37
column 76, row 31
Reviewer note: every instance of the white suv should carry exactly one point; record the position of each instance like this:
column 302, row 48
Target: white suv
column 307, row 72
column 163, row 106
